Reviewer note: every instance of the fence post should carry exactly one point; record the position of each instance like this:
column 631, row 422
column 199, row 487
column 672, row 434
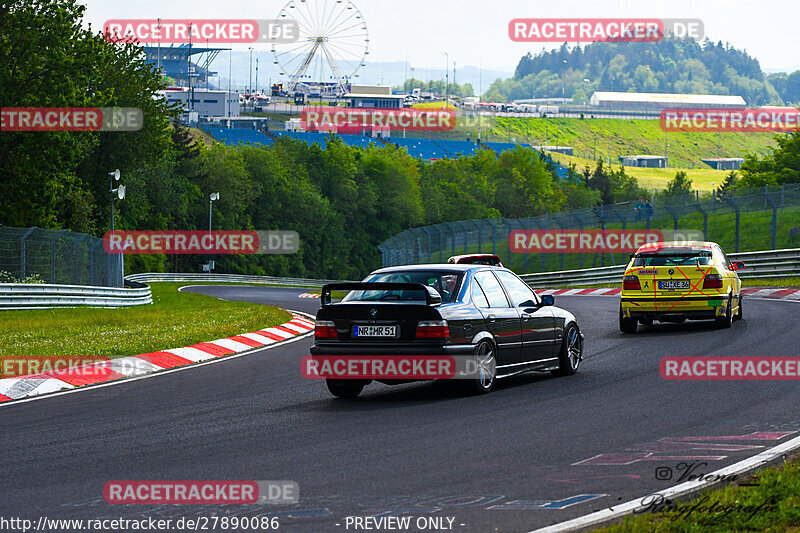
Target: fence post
column 494, row 238
column 453, row 242
column 736, row 208
column 774, row 217
column 408, row 259
column 705, row 220
column 509, row 227
column 466, row 235
column 75, row 252
column 674, row 216
column 580, row 225
column 22, row 252
column 427, row 231
column 53, row 255
column 441, row 244
column 477, row 225
column 92, row 258
column 544, row 255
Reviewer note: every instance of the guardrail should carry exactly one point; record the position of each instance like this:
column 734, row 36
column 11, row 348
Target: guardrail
column 41, row 296
column 767, row 264
column 228, row 278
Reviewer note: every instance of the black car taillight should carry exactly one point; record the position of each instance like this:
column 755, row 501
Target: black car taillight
column 433, row 329
column 712, row 281
column 631, row 283
column 325, row 329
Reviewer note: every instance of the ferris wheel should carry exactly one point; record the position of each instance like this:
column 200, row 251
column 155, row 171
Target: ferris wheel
column 332, row 46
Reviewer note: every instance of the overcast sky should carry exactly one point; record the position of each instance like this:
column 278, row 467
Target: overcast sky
column 475, row 32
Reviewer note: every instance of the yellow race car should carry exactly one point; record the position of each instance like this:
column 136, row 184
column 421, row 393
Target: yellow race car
column 676, row 281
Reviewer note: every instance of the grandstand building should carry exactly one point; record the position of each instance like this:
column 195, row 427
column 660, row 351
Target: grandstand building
column 176, row 62
column 655, row 102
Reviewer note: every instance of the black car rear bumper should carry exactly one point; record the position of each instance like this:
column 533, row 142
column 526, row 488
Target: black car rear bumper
column 391, row 349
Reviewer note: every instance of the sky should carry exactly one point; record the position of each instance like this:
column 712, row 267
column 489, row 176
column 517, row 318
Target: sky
column 475, row 32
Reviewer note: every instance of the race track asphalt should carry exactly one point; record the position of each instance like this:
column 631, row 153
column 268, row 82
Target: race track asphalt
column 500, row 462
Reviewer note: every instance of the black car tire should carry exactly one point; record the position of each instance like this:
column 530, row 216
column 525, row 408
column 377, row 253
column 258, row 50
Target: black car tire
column 485, row 356
column 571, row 353
column 627, row 325
column 724, row 322
column 343, row 389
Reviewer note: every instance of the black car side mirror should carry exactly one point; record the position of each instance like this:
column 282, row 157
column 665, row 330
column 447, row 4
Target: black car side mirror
column 548, row 299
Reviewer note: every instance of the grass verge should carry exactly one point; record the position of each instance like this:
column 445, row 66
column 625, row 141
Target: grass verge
column 174, row 320
column 768, row 501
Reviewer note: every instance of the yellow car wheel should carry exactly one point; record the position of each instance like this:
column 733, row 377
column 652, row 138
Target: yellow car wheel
column 626, row 325
column 726, row 321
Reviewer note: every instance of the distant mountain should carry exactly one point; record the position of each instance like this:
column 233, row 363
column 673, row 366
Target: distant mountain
column 668, row 66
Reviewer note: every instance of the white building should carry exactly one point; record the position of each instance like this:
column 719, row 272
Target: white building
column 205, row 102
column 373, row 96
column 658, row 101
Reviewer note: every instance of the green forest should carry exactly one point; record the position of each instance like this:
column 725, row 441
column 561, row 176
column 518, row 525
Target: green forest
column 668, row 66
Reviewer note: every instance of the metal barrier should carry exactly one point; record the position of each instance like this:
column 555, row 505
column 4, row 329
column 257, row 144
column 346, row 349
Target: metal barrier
column 227, row 278
column 767, row 264
column 40, row 296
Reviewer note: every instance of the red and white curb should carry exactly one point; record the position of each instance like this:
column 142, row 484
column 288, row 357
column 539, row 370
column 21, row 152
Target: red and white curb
column 138, row 365
column 753, row 292
column 309, row 295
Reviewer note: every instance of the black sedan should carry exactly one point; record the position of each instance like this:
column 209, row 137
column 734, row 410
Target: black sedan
column 485, row 313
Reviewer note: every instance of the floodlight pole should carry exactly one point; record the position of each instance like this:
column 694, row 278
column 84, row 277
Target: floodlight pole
column 211, row 198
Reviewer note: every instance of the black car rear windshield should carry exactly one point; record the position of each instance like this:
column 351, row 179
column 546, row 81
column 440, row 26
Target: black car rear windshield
column 446, row 283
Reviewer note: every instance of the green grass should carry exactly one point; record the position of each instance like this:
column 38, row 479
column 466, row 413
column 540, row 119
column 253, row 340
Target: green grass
column 704, row 179
column 601, row 138
column 175, row 319
column 772, row 505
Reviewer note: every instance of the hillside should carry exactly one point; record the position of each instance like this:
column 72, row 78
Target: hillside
column 668, row 66
column 611, row 138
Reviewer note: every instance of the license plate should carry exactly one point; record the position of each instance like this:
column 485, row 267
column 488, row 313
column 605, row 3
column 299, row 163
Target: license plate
column 673, row 285
column 374, row 331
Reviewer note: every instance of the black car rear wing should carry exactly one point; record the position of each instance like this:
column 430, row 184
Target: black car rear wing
column 432, row 296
